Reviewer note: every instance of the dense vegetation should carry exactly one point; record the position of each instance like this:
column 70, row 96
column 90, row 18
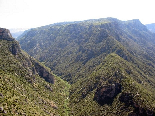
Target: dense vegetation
column 70, row 49
column 22, row 90
column 113, row 71
column 109, row 63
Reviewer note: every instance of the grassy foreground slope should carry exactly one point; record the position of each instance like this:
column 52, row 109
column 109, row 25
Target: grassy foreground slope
column 23, row 89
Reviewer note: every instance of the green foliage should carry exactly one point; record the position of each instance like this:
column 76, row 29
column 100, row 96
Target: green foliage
column 73, row 50
column 114, row 69
column 24, row 92
column 95, row 53
column 20, row 97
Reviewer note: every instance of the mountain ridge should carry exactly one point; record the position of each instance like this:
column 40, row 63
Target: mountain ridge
column 27, row 87
column 102, row 59
column 128, row 42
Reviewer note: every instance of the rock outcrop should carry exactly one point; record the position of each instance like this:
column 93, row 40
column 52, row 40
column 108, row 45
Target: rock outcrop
column 107, row 93
column 138, row 110
column 44, row 73
column 5, row 34
column 27, row 62
column 15, row 48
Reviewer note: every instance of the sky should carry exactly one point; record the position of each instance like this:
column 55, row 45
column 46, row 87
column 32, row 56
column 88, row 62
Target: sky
column 36, row 13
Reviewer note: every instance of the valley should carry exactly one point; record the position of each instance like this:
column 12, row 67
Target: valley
column 97, row 67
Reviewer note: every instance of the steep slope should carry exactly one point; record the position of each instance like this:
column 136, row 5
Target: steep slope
column 113, row 89
column 68, row 49
column 21, row 35
column 109, row 63
column 26, row 86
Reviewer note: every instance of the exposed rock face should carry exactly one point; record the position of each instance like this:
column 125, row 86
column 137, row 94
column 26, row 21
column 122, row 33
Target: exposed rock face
column 127, row 98
column 15, row 48
column 44, row 73
column 106, row 94
column 5, row 34
column 26, row 62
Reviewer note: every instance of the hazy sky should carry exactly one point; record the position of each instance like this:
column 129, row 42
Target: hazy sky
column 35, row 13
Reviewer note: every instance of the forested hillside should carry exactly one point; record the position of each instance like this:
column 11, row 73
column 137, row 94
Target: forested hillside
column 27, row 87
column 72, row 50
column 109, row 63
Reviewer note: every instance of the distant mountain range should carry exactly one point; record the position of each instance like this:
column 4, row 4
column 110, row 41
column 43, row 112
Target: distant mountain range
column 17, row 31
column 110, row 64
column 151, row 27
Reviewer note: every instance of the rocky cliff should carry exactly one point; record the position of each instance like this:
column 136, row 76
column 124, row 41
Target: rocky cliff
column 26, row 61
column 27, row 87
column 5, row 34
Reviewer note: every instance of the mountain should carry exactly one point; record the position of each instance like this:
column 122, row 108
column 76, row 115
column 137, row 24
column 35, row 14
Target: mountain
column 109, row 63
column 21, row 35
column 71, row 46
column 27, row 87
column 151, row 27
column 16, row 34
